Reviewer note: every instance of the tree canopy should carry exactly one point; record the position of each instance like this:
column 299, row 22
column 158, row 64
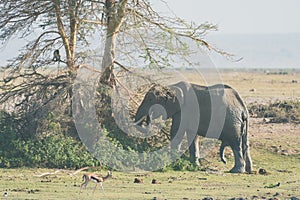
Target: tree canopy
column 130, row 33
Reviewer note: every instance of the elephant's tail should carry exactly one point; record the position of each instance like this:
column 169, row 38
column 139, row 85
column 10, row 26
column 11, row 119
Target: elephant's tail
column 244, row 132
column 222, row 148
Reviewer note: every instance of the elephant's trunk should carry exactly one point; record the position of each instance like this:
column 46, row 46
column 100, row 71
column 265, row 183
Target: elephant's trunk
column 138, row 124
column 139, row 119
column 142, row 114
column 139, row 116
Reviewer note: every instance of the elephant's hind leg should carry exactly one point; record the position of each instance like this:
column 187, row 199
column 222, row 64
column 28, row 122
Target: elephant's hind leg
column 248, row 161
column 239, row 165
column 246, row 154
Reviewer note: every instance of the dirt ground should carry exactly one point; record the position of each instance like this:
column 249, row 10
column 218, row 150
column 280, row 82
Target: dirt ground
column 281, row 138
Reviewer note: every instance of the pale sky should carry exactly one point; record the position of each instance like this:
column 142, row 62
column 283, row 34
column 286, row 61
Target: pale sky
column 242, row 16
column 265, row 33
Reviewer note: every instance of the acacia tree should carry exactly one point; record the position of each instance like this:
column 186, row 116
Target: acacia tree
column 132, row 28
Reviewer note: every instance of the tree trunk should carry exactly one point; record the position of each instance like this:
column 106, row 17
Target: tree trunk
column 108, row 61
column 73, row 34
column 115, row 13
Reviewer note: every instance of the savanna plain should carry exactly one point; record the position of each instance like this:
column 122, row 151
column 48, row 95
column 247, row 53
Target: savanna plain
column 275, row 151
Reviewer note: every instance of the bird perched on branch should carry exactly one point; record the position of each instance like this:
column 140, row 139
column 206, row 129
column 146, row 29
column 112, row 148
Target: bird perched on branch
column 56, row 56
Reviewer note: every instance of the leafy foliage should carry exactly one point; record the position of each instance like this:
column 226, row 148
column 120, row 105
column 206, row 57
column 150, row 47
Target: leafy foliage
column 107, row 119
column 54, row 151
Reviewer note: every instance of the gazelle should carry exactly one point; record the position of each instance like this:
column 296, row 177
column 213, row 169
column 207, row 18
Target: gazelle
column 94, row 178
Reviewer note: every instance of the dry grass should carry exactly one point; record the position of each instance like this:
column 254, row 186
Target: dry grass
column 21, row 183
column 256, row 86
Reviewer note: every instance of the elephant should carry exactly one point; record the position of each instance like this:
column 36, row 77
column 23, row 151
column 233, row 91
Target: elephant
column 215, row 111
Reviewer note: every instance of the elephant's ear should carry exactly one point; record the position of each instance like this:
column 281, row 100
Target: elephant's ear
column 179, row 94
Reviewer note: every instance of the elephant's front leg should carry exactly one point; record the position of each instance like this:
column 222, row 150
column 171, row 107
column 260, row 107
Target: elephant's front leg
column 239, row 164
column 177, row 132
column 194, row 149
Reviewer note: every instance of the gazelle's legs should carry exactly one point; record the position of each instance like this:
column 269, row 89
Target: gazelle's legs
column 83, row 184
column 101, row 186
column 95, row 187
column 85, row 187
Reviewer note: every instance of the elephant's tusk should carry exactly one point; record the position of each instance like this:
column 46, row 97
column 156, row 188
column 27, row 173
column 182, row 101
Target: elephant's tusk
column 140, row 120
column 143, row 130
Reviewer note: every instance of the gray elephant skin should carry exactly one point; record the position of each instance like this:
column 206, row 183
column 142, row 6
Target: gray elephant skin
column 215, row 111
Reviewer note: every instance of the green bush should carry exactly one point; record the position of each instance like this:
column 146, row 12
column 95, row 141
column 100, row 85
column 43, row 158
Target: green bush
column 52, row 151
column 183, row 164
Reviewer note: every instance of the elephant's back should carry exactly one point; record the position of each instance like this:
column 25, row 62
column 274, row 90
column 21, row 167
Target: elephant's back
column 219, row 104
column 223, row 92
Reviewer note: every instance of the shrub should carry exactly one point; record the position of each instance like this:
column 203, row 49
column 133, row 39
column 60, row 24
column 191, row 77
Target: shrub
column 52, row 151
column 279, row 112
